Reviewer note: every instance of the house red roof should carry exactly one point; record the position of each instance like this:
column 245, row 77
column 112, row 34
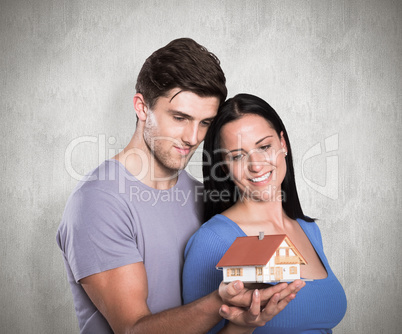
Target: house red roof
column 250, row 251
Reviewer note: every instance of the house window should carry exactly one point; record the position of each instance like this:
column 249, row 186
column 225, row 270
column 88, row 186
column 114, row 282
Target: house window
column 272, row 271
column 293, row 270
column 259, row 270
column 235, row 272
column 282, row 251
column 291, row 253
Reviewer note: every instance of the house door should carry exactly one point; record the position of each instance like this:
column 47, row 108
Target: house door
column 258, row 274
column 278, row 273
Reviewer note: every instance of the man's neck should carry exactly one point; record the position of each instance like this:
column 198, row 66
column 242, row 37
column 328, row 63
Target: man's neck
column 140, row 162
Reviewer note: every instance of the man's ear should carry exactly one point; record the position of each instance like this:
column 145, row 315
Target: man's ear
column 140, row 107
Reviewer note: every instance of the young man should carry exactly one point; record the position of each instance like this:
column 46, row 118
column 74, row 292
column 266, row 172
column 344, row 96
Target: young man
column 126, row 224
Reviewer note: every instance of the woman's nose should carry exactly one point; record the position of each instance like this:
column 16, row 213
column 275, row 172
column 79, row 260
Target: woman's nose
column 256, row 162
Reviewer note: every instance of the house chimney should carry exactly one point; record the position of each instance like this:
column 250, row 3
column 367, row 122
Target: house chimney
column 261, row 236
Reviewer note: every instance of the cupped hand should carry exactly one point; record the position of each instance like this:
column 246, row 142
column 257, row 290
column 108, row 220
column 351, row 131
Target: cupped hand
column 253, row 308
column 236, row 294
column 253, row 316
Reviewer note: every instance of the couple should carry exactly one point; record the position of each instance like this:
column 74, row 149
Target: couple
column 124, row 254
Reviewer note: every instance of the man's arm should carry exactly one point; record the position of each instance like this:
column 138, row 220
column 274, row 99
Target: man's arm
column 121, row 296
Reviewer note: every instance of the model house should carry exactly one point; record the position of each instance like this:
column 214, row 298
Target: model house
column 270, row 258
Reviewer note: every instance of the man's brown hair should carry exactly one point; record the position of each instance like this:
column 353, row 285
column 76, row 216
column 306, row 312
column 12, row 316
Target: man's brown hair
column 184, row 64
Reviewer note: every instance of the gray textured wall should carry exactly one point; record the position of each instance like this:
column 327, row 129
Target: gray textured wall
column 332, row 69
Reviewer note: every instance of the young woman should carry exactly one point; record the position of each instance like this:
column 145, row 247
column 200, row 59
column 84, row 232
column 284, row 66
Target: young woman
column 250, row 188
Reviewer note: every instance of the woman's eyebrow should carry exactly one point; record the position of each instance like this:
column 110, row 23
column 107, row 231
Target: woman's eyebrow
column 262, row 139
column 240, row 149
column 235, row 150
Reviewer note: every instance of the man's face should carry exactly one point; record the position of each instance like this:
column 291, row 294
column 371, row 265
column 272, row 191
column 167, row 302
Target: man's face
column 175, row 127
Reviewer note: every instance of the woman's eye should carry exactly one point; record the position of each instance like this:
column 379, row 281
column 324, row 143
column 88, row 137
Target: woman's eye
column 265, row 147
column 237, row 157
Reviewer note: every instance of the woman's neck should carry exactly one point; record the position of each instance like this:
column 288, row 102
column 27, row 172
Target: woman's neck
column 254, row 217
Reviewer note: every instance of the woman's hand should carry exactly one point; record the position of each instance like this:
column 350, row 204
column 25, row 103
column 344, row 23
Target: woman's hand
column 248, row 308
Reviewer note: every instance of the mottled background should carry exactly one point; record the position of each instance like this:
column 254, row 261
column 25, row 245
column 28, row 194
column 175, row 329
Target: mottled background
column 332, row 70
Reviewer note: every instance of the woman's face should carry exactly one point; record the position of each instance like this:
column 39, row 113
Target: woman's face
column 255, row 157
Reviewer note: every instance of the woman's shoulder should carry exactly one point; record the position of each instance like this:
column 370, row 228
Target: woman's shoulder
column 221, row 224
column 307, row 224
column 218, row 227
column 216, row 233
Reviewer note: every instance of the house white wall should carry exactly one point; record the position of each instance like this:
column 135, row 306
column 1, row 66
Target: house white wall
column 248, row 274
column 285, row 272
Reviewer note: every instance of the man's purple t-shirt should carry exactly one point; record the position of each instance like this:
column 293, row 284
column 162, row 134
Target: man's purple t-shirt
column 112, row 219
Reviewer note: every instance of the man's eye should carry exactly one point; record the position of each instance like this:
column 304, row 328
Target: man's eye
column 206, row 123
column 178, row 118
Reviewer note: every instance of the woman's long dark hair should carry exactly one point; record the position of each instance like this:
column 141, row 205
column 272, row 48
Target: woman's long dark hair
column 219, row 189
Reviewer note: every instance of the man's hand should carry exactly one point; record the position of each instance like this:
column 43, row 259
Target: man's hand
column 248, row 308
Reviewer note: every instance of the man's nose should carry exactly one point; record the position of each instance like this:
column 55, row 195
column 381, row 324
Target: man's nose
column 190, row 134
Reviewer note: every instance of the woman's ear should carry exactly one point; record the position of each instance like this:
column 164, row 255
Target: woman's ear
column 225, row 168
column 140, row 107
column 283, row 144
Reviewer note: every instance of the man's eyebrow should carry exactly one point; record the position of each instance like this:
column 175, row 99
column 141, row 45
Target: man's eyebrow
column 262, row 139
column 180, row 113
column 187, row 116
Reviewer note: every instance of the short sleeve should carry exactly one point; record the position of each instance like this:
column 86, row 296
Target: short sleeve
column 97, row 233
column 315, row 233
column 318, row 236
